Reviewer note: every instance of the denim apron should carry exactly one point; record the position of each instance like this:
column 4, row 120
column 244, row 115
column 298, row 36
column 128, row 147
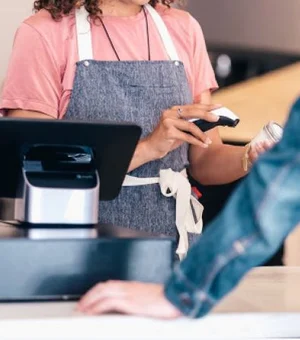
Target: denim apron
column 156, row 197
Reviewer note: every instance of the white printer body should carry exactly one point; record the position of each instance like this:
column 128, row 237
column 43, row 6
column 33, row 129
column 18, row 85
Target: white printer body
column 58, row 186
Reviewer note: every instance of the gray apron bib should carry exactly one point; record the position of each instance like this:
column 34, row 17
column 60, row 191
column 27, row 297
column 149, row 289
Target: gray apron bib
column 138, row 91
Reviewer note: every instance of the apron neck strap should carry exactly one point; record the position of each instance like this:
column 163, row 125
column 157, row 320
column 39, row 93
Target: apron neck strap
column 164, row 33
column 84, row 36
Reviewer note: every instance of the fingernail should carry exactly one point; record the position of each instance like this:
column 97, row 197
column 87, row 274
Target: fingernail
column 208, row 141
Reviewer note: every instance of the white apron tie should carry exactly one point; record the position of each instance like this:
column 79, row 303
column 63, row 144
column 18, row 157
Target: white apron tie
column 188, row 209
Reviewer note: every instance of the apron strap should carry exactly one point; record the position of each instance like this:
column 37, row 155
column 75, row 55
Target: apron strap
column 188, row 209
column 84, row 36
column 164, row 33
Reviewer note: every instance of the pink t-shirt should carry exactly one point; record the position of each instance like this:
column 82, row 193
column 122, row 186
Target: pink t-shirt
column 43, row 62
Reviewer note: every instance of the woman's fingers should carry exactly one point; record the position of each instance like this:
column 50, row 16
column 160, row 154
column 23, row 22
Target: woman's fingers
column 258, row 149
column 253, row 154
column 185, row 131
column 195, row 111
column 204, row 107
column 266, row 145
column 194, row 135
column 175, row 128
column 177, row 125
column 185, row 137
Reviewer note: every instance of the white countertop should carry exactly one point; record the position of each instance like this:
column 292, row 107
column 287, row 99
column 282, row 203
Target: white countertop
column 265, row 305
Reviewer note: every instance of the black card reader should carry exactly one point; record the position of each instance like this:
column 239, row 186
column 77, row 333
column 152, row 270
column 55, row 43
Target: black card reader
column 227, row 118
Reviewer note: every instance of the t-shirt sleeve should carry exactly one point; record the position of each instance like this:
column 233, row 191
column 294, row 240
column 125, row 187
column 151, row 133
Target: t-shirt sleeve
column 33, row 80
column 203, row 73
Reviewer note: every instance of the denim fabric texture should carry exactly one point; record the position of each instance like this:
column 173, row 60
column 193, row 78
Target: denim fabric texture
column 136, row 92
column 263, row 210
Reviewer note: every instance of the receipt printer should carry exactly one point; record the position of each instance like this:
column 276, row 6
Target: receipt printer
column 58, row 184
column 58, row 172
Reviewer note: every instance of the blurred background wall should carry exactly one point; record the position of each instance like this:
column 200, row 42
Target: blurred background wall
column 248, row 37
column 245, row 39
column 12, row 13
column 265, row 25
column 257, row 35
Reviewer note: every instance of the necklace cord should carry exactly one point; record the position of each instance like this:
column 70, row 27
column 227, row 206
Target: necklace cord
column 112, row 44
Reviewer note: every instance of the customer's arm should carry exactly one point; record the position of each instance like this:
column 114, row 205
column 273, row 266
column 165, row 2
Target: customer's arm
column 254, row 223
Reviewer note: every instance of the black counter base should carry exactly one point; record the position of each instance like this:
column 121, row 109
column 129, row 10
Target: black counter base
column 45, row 270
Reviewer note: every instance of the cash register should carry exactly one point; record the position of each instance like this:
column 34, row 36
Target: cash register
column 57, row 172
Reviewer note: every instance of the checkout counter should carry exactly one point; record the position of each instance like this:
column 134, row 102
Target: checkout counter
column 266, row 305
column 56, row 250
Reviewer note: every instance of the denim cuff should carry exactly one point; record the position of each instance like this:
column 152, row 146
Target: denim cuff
column 186, row 297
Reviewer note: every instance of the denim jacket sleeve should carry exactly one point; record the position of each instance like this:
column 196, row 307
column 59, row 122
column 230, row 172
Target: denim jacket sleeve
column 253, row 225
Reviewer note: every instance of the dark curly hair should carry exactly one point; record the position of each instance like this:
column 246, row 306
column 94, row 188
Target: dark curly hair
column 58, row 8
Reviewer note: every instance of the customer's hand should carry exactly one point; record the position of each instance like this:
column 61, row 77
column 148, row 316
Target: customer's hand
column 258, row 149
column 132, row 298
column 174, row 129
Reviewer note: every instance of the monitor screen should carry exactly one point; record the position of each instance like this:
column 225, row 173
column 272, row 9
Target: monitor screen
column 113, row 146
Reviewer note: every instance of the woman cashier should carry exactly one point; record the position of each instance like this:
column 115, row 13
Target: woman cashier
column 129, row 60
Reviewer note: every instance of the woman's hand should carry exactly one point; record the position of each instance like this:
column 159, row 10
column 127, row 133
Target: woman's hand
column 132, row 298
column 174, row 129
column 257, row 149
